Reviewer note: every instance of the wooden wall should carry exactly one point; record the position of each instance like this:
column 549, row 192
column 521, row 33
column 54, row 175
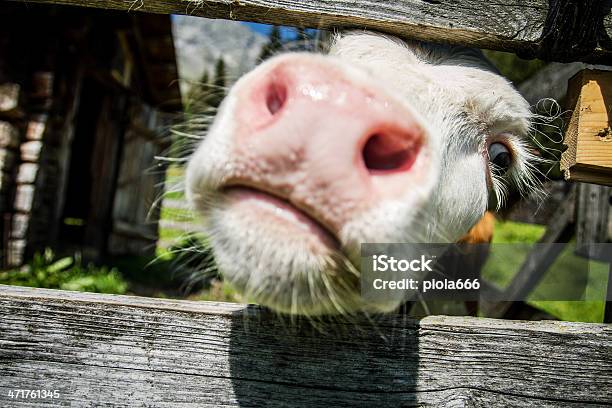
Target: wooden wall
column 72, row 118
column 140, row 183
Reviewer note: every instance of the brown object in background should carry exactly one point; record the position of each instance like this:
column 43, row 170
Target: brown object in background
column 482, row 232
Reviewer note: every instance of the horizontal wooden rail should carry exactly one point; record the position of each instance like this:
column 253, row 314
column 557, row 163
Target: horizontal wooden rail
column 109, row 350
column 562, row 30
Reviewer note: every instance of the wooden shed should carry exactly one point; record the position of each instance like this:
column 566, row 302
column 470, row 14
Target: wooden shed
column 83, row 113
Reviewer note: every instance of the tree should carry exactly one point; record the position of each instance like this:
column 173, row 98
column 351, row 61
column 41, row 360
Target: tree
column 196, row 100
column 204, row 80
column 219, row 81
column 301, row 34
column 275, row 44
column 217, row 90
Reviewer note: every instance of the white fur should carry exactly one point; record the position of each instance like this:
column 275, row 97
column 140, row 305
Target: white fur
column 457, row 96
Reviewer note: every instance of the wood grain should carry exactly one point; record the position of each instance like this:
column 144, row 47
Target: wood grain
column 502, row 25
column 104, row 350
column 9, row 101
column 589, row 132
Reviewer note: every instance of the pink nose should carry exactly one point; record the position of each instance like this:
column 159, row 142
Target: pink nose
column 326, row 138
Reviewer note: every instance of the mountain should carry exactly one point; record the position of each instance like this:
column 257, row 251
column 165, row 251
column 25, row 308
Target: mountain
column 199, row 42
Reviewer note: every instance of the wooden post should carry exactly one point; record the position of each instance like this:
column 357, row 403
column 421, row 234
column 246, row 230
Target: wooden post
column 592, row 219
column 608, row 307
column 592, row 228
column 588, row 137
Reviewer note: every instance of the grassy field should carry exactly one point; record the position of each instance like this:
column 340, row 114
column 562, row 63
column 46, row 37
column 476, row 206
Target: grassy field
column 174, row 216
column 505, row 260
column 177, row 223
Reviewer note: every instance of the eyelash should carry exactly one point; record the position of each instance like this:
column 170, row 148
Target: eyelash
column 497, row 184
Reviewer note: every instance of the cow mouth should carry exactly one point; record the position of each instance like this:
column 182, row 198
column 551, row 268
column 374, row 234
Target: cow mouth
column 281, row 216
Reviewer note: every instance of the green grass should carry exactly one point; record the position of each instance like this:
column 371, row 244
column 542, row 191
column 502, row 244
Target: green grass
column 45, row 270
column 174, row 195
column 505, row 260
column 220, row 291
column 177, row 214
column 512, row 67
column 175, row 171
column 181, row 255
column 174, row 175
column 578, row 311
column 517, row 232
column 169, row 234
column 188, row 261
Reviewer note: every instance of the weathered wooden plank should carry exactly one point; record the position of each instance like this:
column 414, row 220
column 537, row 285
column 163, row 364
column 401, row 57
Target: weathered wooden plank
column 129, row 351
column 145, row 231
column 30, row 151
column 6, row 182
column 593, row 226
column 24, row 198
column 135, row 222
column 36, row 127
column 20, row 224
column 26, row 174
column 592, row 220
column 9, row 100
column 9, row 135
column 16, row 249
column 608, row 308
column 42, row 85
column 588, row 157
column 523, row 27
column 7, row 159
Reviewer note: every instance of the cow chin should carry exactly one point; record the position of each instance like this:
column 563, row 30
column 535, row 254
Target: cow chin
column 280, row 266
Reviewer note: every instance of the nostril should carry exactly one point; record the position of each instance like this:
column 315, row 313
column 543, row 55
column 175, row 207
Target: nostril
column 276, row 95
column 390, row 152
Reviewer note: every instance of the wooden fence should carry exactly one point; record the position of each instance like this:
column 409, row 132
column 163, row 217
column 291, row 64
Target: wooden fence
column 562, row 30
column 103, row 350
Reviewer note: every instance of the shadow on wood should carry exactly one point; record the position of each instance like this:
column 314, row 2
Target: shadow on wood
column 303, row 363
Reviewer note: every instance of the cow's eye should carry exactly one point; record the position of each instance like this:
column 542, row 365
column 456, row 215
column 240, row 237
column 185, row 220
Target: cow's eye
column 500, row 157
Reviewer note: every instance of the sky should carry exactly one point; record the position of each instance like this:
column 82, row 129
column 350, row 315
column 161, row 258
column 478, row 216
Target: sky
column 287, row 33
column 264, row 29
